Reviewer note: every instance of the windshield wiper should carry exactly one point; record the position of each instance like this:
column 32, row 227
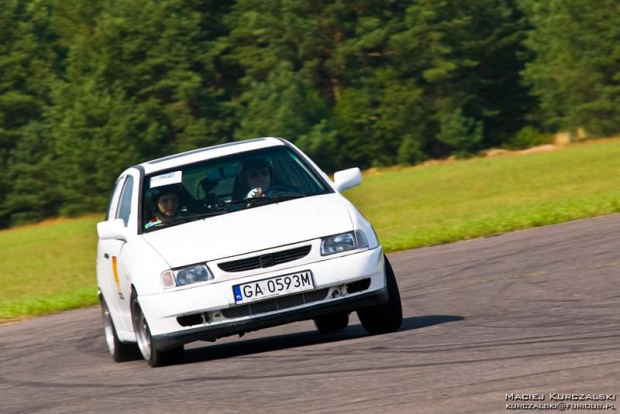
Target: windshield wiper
column 248, row 202
column 261, row 201
column 191, row 217
column 278, row 198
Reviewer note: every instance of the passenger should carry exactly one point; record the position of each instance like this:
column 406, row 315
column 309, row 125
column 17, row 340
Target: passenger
column 164, row 206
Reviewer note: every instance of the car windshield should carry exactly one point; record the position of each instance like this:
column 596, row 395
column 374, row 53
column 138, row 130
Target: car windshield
column 226, row 185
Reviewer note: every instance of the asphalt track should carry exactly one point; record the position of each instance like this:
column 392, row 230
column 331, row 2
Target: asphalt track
column 535, row 311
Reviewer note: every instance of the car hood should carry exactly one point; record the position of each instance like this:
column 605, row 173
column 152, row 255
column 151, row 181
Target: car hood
column 251, row 230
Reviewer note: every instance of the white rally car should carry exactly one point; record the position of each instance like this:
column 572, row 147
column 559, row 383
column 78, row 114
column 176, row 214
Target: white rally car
column 233, row 238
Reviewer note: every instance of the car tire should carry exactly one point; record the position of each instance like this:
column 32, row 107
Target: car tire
column 146, row 345
column 119, row 351
column 387, row 317
column 332, row 323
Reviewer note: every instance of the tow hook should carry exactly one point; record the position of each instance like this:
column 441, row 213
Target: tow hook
column 339, row 291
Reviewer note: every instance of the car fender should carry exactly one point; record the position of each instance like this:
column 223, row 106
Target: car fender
column 361, row 223
column 144, row 267
column 141, row 264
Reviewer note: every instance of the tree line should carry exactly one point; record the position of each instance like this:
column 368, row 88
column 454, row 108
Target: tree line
column 89, row 88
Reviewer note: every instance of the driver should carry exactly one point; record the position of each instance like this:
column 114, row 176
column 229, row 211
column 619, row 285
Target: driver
column 256, row 173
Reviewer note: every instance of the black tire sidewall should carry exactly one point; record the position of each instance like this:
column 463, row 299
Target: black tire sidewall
column 387, row 317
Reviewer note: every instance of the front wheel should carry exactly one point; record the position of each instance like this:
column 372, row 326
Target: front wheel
column 152, row 356
column 388, row 317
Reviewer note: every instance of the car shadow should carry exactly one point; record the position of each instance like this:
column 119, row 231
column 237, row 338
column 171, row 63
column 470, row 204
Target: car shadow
column 299, row 339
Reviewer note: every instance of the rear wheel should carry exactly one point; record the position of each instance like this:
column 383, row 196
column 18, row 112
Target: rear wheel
column 387, row 317
column 154, row 357
column 120, row 352
column 332, row 323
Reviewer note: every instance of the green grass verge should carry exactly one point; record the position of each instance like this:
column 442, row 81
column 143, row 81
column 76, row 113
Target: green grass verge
column 51, row 267
column 48, row 267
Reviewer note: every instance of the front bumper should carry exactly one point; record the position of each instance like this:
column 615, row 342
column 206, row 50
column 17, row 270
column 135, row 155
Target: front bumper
column 220, row 317
column 211, row 333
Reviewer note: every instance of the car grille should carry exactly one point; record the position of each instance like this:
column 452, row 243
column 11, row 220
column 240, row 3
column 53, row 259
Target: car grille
column 265, row 260
column 275, row 304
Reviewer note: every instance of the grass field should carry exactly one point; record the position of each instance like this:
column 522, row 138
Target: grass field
column 48, row 267
column 51, row 266
column 424, row 206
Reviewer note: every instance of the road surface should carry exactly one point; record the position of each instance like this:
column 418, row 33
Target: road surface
column 488, row 322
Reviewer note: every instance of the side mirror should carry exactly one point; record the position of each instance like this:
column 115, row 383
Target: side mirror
column 112, row 229
column 346, row 179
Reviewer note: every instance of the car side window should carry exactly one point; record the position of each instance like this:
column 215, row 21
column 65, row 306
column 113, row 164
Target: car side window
column 124, row 205
column 111, row 205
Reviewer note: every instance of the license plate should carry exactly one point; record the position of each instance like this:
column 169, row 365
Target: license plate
column 274, row 286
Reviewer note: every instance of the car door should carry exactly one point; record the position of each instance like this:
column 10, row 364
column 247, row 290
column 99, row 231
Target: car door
column 112, row 277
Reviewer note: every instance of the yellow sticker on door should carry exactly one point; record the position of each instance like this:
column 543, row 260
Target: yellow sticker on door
column 116, row 280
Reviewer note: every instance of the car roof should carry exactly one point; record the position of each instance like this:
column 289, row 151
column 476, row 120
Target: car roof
column 206, row 153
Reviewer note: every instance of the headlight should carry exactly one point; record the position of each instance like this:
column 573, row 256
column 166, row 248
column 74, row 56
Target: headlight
column 343, row 242
column 186, row 276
